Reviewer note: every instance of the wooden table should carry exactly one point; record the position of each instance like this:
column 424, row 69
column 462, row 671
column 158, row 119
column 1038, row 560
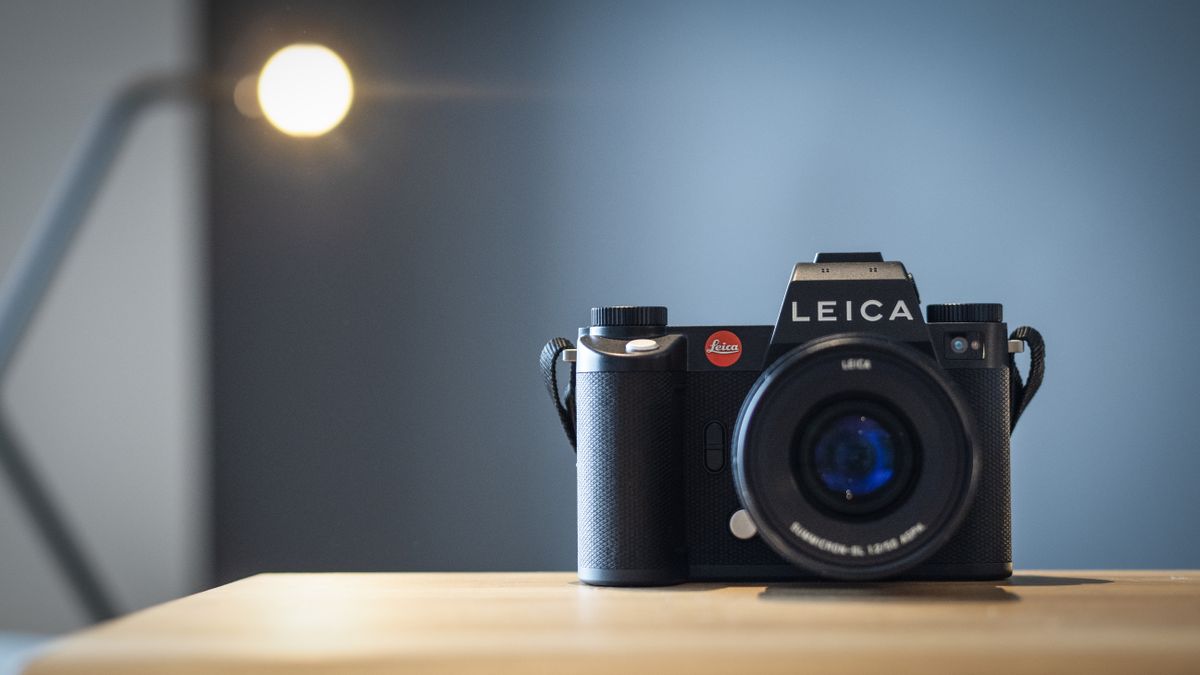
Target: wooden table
column 1054, row 622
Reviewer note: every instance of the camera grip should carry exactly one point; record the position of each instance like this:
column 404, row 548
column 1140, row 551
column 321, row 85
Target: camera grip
column 630, row 478
column 985, row 537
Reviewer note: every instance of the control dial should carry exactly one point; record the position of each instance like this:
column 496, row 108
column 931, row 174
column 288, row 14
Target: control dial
column 628, row 315
column 970, row 312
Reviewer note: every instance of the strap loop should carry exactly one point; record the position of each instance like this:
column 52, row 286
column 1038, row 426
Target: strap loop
column 1023, row 391
column 564, row 404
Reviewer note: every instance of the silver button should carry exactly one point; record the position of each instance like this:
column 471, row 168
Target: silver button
column 641, row 345
column 741, row 526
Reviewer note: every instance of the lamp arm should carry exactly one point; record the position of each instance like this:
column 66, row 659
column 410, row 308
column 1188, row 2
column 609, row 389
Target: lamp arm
column 38, row 260
column 25, row 287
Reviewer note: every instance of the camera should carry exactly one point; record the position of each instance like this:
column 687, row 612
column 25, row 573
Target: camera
column 854, row 439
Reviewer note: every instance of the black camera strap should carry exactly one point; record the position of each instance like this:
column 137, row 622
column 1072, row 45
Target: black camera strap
column 1024, row 390
column 564, row 403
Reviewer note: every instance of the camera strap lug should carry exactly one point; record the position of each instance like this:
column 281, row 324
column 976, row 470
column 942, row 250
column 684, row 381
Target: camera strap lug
column 1016, row 347
column 1023, row 390
column 564, row 403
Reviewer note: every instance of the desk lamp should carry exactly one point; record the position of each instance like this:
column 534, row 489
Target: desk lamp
column 304, row 90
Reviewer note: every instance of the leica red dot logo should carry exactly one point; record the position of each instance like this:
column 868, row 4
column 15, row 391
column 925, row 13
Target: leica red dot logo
column 723, row 348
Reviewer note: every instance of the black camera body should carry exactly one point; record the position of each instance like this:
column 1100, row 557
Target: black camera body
column 853, row 439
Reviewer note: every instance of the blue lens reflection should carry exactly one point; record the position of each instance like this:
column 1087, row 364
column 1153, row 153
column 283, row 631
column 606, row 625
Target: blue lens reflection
column 854, row 456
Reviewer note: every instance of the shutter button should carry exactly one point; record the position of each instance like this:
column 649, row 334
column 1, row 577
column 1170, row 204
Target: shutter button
column 641, row 345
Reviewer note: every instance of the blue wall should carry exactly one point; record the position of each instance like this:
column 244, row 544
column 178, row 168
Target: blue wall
column 380, row 295
column 1043, row 155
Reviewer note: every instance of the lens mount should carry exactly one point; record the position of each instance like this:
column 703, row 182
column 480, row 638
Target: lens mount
column 861, row 414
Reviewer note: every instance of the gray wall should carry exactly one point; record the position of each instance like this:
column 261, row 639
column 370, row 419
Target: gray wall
column 107, row 392
column 380, row 295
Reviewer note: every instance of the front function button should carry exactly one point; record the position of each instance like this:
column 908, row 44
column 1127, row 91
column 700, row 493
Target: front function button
column 741, row 525
column 714, row 446
column 640, row 345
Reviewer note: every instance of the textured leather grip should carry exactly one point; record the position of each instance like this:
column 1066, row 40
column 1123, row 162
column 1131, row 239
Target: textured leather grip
column 630, row 477
column 985, row 536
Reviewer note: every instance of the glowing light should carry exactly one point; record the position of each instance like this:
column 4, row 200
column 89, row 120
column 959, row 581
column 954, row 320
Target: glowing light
column 305, row 90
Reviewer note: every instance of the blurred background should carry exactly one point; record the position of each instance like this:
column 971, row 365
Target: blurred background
column 270, row 353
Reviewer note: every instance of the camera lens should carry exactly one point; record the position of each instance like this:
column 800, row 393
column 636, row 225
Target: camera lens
column 959, row 345
column 854, row 456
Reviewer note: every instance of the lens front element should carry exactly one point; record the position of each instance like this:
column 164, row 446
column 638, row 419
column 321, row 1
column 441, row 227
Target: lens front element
column 854, row 457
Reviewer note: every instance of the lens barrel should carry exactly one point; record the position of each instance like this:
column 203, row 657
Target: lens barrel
column 855, row 457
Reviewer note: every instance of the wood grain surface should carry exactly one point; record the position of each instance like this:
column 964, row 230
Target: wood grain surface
column 1052, row 622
